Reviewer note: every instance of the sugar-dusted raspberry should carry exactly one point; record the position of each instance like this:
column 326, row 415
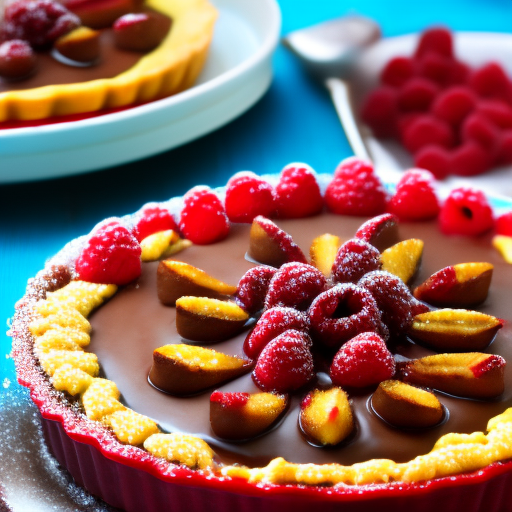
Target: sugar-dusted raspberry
column 17, row 59
column 343, row 312
column 247, row 196
column 297, row 193
column 466, row 212
column 417, row 95
column 356, row 190
column 470, row 159
column 397, row 71
column 504, row 224
column 426, row 130
column 497, row 111
column 454, row 104
column 252, row 288
column 504, row 148
column 354, row 258
column 435, row 159
column 437, row 40
column 285, row 364
column 363, row 361
column 110, row 256
column 491, row 81
column 39, row 22
column 435, row 67
column 151, row 219
column 203, row 219
column 294, row 285
column 415, row 198
column 272, row 323
column 380, row 110
column 394, row 299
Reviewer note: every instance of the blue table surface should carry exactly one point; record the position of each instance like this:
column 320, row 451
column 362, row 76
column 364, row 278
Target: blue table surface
column 294, row 121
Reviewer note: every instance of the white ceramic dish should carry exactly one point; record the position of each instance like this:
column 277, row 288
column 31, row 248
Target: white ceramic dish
column 237, row 73
column 473, row 48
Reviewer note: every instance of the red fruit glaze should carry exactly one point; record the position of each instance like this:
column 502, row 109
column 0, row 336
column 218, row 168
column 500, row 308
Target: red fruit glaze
column 248, row 196
column 426, row 130
column 454, row 104
column 231, row 400
column 297, row 193
column 363, row 361
column 341, row 313
column 437, row 40
column 354, row 258
column 466, row 212
column 129, row 20
column 415, row 198
column 470, row 159
column 356, row 190
column 434, row 159
column 417, row 94
column 272, row 323
column 398, row 71
column 203, row 219
column 294, row 285
column 380, row 110
column 110, row 256
column 39, row 22
column 504, row 224
column 252, row 288
column 487, row 365
column 153, row 218
column 286, row 363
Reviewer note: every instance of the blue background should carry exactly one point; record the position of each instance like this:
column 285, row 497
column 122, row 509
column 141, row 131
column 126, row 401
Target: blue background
column 294, row 121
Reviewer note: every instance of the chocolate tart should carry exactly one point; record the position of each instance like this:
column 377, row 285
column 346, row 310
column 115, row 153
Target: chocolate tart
column 379, row 468
column 172, row 67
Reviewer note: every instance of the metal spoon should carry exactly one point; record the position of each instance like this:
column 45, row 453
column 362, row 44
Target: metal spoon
column 327, row 51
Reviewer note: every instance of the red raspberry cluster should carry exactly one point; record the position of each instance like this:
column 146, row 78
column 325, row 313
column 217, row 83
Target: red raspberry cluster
column 453, row 119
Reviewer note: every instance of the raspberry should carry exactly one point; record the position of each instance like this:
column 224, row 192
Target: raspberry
column 417, row 95
column 434, row 159
column 454, row 104
column 435, row 67
column 248, row 196
column 479, row 128
column 504, row 224
column 491, row 81
column 17, row 59
column 363, row 361
column 342, row 312
column 459, row 73
column 39, row 22
column 496, row 111
column 466, row 212
column 355, row 190
column 297, row 193
column 381, row 231
column 380, row 110
column 437, row 40
column 252, row 288
column 153, row 218
column 504, row 148
column 470, row 159
column 394, row 300
column 426, row 130
column 111, row 256
column 285, row 364
column 354, row 259
column 397, row 71
column 203, row 219
column 415, row 198
column 405, row 120
column 294, row 285
column 272, row 323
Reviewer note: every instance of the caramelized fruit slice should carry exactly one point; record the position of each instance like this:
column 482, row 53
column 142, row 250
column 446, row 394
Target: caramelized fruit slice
column 323, row 252
column 159, row 245
column 469, row 374
column 381, row 231
column 208, row 320
column 325, row 416
column 504, row 245
column 175, row 279
column 270, row 245
column 187, row 369
column 403, row 259
column 455, row 329
column 406, row 406
column 459, row 286
column 239, row 416
column 81, row 45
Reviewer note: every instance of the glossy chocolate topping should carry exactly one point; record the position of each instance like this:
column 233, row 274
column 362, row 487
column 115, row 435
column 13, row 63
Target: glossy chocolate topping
column 129, row 327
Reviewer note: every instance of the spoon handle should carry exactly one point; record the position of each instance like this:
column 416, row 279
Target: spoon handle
column 340, row 95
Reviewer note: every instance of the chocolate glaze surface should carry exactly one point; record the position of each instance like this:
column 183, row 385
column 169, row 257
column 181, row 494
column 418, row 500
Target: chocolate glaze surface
column 127, row 329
